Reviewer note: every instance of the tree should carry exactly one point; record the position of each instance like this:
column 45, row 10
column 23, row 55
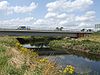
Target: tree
column 57, row 28
column 60, row 28
column 89, row 30
column 83, row 30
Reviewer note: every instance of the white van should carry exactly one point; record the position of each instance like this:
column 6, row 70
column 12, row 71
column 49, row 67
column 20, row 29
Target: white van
column 23, row 28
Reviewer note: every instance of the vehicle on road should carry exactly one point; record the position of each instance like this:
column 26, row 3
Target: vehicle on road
column 23, row 28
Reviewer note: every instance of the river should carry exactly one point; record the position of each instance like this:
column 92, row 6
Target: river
column 84, row 64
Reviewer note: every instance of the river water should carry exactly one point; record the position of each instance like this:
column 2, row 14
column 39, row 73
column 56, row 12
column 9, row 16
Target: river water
column 83, row 65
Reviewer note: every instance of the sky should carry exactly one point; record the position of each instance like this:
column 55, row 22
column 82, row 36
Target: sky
column 49, row 14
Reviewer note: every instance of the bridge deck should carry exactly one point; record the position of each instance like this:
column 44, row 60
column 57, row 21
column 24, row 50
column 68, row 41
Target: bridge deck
column 41, row 33
column 50, row 31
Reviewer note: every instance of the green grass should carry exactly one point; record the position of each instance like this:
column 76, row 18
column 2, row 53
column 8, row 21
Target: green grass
column 31, row 65
column 5, row 67
column 8, row 41
column 91, row 44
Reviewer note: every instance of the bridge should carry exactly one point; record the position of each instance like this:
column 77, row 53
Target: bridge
column 72, row 34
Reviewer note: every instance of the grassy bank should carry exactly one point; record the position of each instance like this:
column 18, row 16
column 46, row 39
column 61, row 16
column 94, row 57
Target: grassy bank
column 16, row 60
column 89, row 44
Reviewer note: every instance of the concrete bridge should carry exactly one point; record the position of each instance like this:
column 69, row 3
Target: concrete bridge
column 71, row 34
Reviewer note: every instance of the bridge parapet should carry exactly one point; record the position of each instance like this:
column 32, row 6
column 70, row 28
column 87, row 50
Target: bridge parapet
column 43, row 33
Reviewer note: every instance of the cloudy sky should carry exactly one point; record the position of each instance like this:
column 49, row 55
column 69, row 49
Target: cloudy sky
column 47, row 14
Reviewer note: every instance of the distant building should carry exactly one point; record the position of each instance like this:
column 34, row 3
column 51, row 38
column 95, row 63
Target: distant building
column 97, row 27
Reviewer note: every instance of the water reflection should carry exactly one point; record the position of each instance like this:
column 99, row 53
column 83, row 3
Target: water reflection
column 70, row 52
column 34, row 46
column 81, row 65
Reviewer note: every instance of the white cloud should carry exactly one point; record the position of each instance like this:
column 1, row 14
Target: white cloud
column 51, row 15
column 68, row 21
column 59, row 13
column 65, row 13
column 25, row 9
column 68, row 5
column 40, row 21
column 84, row 25
column 63, row 22
column 5, row 6
column 89, row 16
column 17, row 22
